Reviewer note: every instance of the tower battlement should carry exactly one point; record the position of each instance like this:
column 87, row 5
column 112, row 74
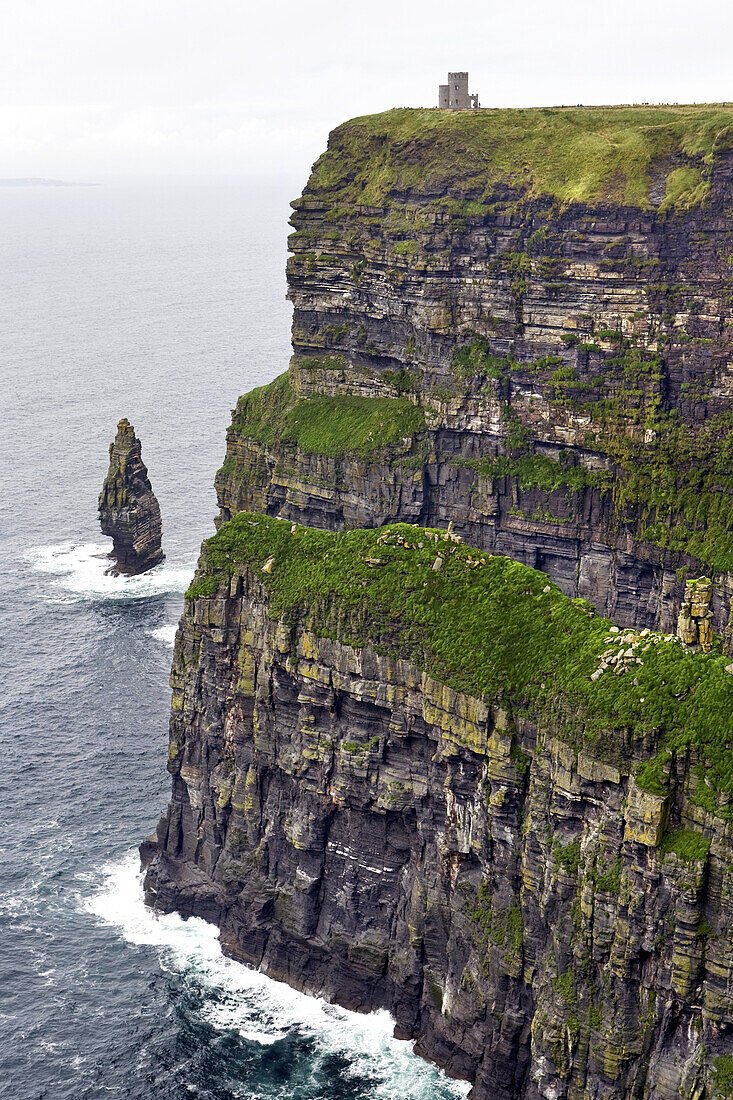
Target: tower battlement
column 454, row 95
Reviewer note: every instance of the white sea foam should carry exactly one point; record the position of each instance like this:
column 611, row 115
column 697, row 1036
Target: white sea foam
column 165, row 634
column 80, row 572
column 263, row 1010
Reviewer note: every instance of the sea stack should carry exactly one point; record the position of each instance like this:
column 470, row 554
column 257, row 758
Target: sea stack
column 128, row 509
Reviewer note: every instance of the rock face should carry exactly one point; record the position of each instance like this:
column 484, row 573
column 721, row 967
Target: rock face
column 694, row 626
column 567, row 346
column 129, row 512
column 411, row 774
column 545, row 919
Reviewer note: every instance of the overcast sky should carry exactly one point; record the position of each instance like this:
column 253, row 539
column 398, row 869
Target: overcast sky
column 90, row 88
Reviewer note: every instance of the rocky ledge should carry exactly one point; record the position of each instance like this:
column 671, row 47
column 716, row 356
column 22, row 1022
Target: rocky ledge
column 129, row 512
column 410, row 774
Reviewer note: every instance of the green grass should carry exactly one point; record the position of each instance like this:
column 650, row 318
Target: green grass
column 334, row 425
column 261, row 414
column 684, row 188
column 571, row 154
column 540, row 472
column 568, row 855
column 324, row 425
column 485, row 626
column 723, row 1077
column 324, row 362
column 687, row 844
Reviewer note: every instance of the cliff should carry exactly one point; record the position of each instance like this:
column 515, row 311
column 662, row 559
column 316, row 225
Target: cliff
column 129, row 512
column 519, row 321
column 409, row 774
column 435, row 775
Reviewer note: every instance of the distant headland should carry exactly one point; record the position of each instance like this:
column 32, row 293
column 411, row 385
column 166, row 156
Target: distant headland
column 31, row 181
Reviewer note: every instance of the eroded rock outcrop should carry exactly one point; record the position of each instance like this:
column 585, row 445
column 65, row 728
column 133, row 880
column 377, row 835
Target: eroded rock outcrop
column 400, row 786
column 694, row 626
column 129, row 512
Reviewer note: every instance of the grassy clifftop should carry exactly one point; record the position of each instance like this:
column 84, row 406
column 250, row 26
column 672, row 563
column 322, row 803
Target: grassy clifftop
column 323, row 425
column 494, row 629
column 637, row 156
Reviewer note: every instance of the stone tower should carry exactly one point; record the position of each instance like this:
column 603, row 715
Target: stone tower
column 454, row 95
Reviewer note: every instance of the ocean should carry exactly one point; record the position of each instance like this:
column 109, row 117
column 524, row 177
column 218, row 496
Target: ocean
column 159, row 301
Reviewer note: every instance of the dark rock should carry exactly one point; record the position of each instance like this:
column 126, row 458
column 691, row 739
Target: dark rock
column 364, row 832
column 533, row 918
column 129, row 512
column 615, row 363
column 728, row 634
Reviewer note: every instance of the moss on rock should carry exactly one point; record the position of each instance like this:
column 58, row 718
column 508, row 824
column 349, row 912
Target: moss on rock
column 583, row 154
column 327, row 425
column 486, row 626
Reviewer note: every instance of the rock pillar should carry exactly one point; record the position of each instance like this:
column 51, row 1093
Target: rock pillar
column 695, row 623
column 128, row 509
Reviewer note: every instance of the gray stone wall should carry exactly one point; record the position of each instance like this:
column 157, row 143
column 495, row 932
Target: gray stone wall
column 454, row 95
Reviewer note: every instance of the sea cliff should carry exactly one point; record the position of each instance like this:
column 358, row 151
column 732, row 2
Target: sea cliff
column 451, row 715
column 519, row 321
column 400, row 781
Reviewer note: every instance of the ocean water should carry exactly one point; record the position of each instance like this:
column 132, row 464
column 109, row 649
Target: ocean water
column 162, row 303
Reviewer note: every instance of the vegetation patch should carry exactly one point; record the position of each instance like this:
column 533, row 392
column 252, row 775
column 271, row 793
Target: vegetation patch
column 652, row 776
column 476, row 359
column 571, row 154
column 489, row 627
column 261, row 414
column 723, row 1077
column 564, row 986
column 541, row 472
column 568, row 855
column 684, row 188
column 686, row 844
column 325, row 362
column 678, row 491
column 329, row 426
column 610, row 880
column 403, row 380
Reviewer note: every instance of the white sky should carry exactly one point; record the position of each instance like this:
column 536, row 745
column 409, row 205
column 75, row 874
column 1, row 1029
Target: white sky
column 90, row 88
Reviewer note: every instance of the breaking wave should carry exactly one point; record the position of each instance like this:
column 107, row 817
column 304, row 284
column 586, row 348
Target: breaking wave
column 165, row 634
column 80, row 572
column 261, row 1010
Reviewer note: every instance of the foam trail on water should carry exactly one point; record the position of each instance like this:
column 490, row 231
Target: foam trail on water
column 165, row 634
column 263, row 1010
column 80, row 570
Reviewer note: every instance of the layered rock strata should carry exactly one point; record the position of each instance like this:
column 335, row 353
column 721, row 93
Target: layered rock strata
column 559, row 315
column 694, row 626
column 398, row 782
column 412, row 774
column 129, row 512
